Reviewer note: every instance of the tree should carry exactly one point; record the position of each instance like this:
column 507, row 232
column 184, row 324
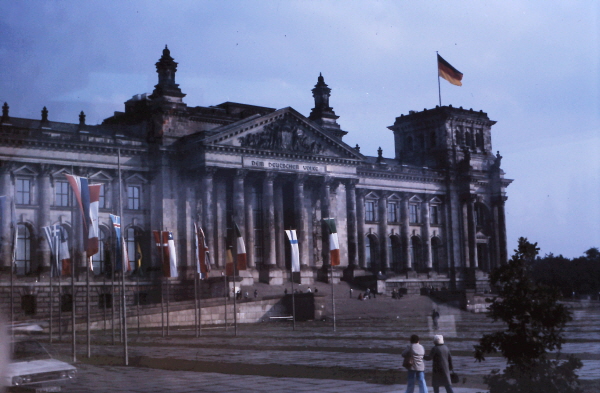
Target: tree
column 534, row 326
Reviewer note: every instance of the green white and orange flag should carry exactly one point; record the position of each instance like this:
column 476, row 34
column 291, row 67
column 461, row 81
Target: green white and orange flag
column 446, row 71
column 240, row 248
column 334, row 243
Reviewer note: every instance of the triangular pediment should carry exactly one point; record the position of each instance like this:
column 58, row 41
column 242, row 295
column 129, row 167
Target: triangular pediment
column 283, row 131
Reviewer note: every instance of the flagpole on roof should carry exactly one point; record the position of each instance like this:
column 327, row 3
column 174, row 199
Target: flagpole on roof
column 124, row 308
column 439, row 87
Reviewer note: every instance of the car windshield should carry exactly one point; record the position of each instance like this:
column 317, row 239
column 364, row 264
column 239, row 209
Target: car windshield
column 29, row 350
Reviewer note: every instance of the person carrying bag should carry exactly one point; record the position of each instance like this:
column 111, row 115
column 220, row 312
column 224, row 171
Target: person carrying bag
column 413, row 362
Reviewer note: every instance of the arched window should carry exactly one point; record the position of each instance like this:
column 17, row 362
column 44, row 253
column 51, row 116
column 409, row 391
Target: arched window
column 23, row 258
column 415, row 243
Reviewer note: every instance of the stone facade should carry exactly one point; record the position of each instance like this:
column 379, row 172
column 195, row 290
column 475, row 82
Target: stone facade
column 431, row 216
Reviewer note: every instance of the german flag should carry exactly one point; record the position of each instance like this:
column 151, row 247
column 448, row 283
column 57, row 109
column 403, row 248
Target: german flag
column 446, row 71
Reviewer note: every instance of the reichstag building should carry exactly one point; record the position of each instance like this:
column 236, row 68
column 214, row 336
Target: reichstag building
column 432, row 215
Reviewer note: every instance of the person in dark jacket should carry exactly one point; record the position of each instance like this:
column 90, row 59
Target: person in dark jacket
column 442, row 365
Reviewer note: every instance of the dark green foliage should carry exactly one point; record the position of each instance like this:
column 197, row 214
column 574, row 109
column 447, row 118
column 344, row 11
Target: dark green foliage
column 579, row 275
column 534, row 326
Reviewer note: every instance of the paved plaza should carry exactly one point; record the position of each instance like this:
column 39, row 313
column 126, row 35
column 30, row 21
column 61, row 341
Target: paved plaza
column 361, row 355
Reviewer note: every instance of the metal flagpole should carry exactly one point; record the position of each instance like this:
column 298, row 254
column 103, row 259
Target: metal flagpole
column 196, row 276
column 168, row 290
column 162, row 279
column 13, row 258
column 124, row 304
column 226, row 294
column 439, row 88
column 293, row 303
column 138, row 295
column 87, row 305
column 73, row 302
column 104, row 300
column 332, row 297
column 112, row 292
column 60, row 294
column 235, row 296
column 50, row 282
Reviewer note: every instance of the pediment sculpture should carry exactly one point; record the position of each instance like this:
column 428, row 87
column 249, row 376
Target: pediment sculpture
column 282, row 135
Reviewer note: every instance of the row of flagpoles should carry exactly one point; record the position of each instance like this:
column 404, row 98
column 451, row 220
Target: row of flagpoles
column 87, row 196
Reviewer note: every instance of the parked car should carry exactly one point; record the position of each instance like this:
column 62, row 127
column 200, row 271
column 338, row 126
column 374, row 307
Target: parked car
column 32, row 369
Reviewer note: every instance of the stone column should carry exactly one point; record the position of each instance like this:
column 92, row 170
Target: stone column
column 301, row 220
column 269, row 211
column 280, row 237
column 472, row 232
column 465, row 221
column 6, row 239
column 360, row 226
column 208, row 218
column 45, row 197
column 500, row 225
column 405, row 233
column 250, row 240
column 352, row 224
column 239, row 202
column 221, row 221
column 427, row 235
column 383, row 232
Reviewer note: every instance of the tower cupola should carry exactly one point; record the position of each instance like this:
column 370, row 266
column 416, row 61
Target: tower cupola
column 166, row 68
column 322, row 113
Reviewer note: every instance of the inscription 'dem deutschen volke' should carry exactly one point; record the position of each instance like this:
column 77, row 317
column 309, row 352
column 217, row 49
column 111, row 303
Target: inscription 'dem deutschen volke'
column 282, row 166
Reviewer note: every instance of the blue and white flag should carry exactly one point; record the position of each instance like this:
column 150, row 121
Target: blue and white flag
column 291, row 234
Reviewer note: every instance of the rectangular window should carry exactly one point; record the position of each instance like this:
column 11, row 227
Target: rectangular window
column 102, row 200
column 133, row 197
column 369, row 210
column 414, row 213
column 434, row 213
column 23, row 196
column 392, row 212
column 63, row 193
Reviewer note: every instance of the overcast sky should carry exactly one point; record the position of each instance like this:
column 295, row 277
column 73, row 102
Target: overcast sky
column 533, row 66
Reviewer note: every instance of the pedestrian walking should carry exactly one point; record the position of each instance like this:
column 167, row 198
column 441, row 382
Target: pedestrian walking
column 413, row 362
column 442, row 365
column 435, row 316
column 255, row 293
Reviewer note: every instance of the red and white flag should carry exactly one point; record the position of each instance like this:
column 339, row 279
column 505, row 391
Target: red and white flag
column 334, row 243
column 92, row 245
column 166, row 250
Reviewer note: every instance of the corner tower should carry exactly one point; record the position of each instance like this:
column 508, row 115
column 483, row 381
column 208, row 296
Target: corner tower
column 322, row 113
